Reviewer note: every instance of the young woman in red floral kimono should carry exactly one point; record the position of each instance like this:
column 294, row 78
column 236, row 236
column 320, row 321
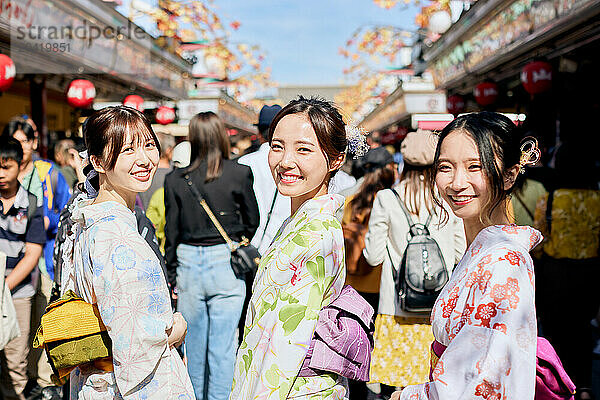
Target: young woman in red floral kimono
column 484, row 320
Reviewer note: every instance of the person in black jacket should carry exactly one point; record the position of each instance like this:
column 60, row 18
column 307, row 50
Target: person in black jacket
column 210, row 297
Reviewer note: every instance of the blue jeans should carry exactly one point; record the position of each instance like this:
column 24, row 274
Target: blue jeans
column 211, row 300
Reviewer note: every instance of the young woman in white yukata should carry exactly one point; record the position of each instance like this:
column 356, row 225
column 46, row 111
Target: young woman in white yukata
column 484, row 321
column 108, row 263
column 303, row 270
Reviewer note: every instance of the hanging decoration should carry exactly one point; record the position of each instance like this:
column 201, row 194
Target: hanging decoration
column 7, row 72
column 436, row 17
column 165, row 115
column 81, row 93
column 536, row 77
column 370, row 50
column 134, row 101
column 486, row 93
column 455, row 104
column 439, row 21
column 197, row 33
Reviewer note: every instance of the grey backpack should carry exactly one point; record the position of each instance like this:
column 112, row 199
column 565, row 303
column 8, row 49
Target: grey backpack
column 423, row 273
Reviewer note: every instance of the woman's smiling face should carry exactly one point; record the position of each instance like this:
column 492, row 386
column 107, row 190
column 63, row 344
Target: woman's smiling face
column 460, row 177
column 298, row 164
column 136, row 164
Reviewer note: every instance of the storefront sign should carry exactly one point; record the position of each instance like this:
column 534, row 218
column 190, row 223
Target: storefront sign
column 520, row 21
column 76, row 36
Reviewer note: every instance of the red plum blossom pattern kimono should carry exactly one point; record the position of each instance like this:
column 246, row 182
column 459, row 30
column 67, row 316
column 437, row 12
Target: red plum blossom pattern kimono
column 485, row 317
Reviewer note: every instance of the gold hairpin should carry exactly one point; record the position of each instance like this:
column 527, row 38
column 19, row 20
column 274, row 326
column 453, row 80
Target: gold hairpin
column 530, row 154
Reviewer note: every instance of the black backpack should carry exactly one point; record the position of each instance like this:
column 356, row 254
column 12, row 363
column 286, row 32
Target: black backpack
column 423, row 273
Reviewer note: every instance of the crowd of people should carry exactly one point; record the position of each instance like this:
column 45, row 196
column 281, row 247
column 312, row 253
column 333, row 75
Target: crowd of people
column 425, row 270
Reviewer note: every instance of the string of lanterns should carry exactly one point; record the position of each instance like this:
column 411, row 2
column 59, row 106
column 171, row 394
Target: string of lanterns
column 536, row 78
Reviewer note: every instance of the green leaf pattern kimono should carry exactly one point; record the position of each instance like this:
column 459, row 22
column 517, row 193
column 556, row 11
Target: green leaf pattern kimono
column 302, row 271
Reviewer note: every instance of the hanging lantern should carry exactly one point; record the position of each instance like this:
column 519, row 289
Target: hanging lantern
column 455, row 104
column 165, row 115
column 440, row 22
column 537, row 77
column 486, row 93
column 7, row 72
column 81, row 93
column 134, row 101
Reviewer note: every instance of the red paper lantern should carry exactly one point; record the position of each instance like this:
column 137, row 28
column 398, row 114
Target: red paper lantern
column 486, row 93
column 81, row 93
column 7, row 72
column 134, row 101
column 537, row 77
column 165, row 115
column 455, row 104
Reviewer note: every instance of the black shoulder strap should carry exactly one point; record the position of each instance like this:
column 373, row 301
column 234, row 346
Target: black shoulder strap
column 404, row 209
column 32, row 206
column 549, row 211
column 268, row 217
column 407, row 213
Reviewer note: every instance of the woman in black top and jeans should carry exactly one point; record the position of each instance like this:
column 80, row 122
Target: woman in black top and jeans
column 198, row 259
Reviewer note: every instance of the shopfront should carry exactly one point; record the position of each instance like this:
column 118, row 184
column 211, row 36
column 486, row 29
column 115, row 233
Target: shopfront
column 53, row 43
column 496, row 43
column 392, row 119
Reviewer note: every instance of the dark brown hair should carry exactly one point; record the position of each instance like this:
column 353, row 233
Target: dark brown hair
column 498, row 142
column 19, row 124
column 326, row 121
column 374, row 181
column 106, row 130
column 209, row 141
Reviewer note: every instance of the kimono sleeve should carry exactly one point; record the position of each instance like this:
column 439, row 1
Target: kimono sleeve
column 133, row 301
column 492, row 346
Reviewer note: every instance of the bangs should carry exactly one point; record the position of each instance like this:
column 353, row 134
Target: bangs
column 126, row 125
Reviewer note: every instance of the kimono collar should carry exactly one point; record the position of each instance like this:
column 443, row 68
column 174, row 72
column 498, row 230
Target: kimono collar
column 325, row 204
column 87, row 214
column 524, row 236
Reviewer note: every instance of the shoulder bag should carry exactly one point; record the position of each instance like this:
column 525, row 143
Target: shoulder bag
column 244, row 257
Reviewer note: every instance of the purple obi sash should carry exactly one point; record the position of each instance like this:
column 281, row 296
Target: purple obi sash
column 343, row 339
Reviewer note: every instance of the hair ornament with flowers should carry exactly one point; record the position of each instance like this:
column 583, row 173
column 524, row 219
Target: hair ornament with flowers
column 530, row 154
column 357, row 141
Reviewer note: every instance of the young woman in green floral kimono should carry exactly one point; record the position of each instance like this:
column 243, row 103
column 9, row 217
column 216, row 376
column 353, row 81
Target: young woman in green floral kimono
column 303, row 269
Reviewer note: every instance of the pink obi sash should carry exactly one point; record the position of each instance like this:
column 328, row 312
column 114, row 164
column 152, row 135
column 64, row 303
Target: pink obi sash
column 436, row 351
column 551, row 382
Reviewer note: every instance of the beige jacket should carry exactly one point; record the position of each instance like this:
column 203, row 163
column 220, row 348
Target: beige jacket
column 388, row 230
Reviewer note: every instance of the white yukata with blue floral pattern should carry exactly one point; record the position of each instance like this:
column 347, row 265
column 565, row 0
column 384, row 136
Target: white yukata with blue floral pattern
column 107, row 262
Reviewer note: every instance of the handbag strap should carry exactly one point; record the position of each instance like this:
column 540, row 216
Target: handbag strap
column 268, row 217
column 211, row 215
column 407, row 213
